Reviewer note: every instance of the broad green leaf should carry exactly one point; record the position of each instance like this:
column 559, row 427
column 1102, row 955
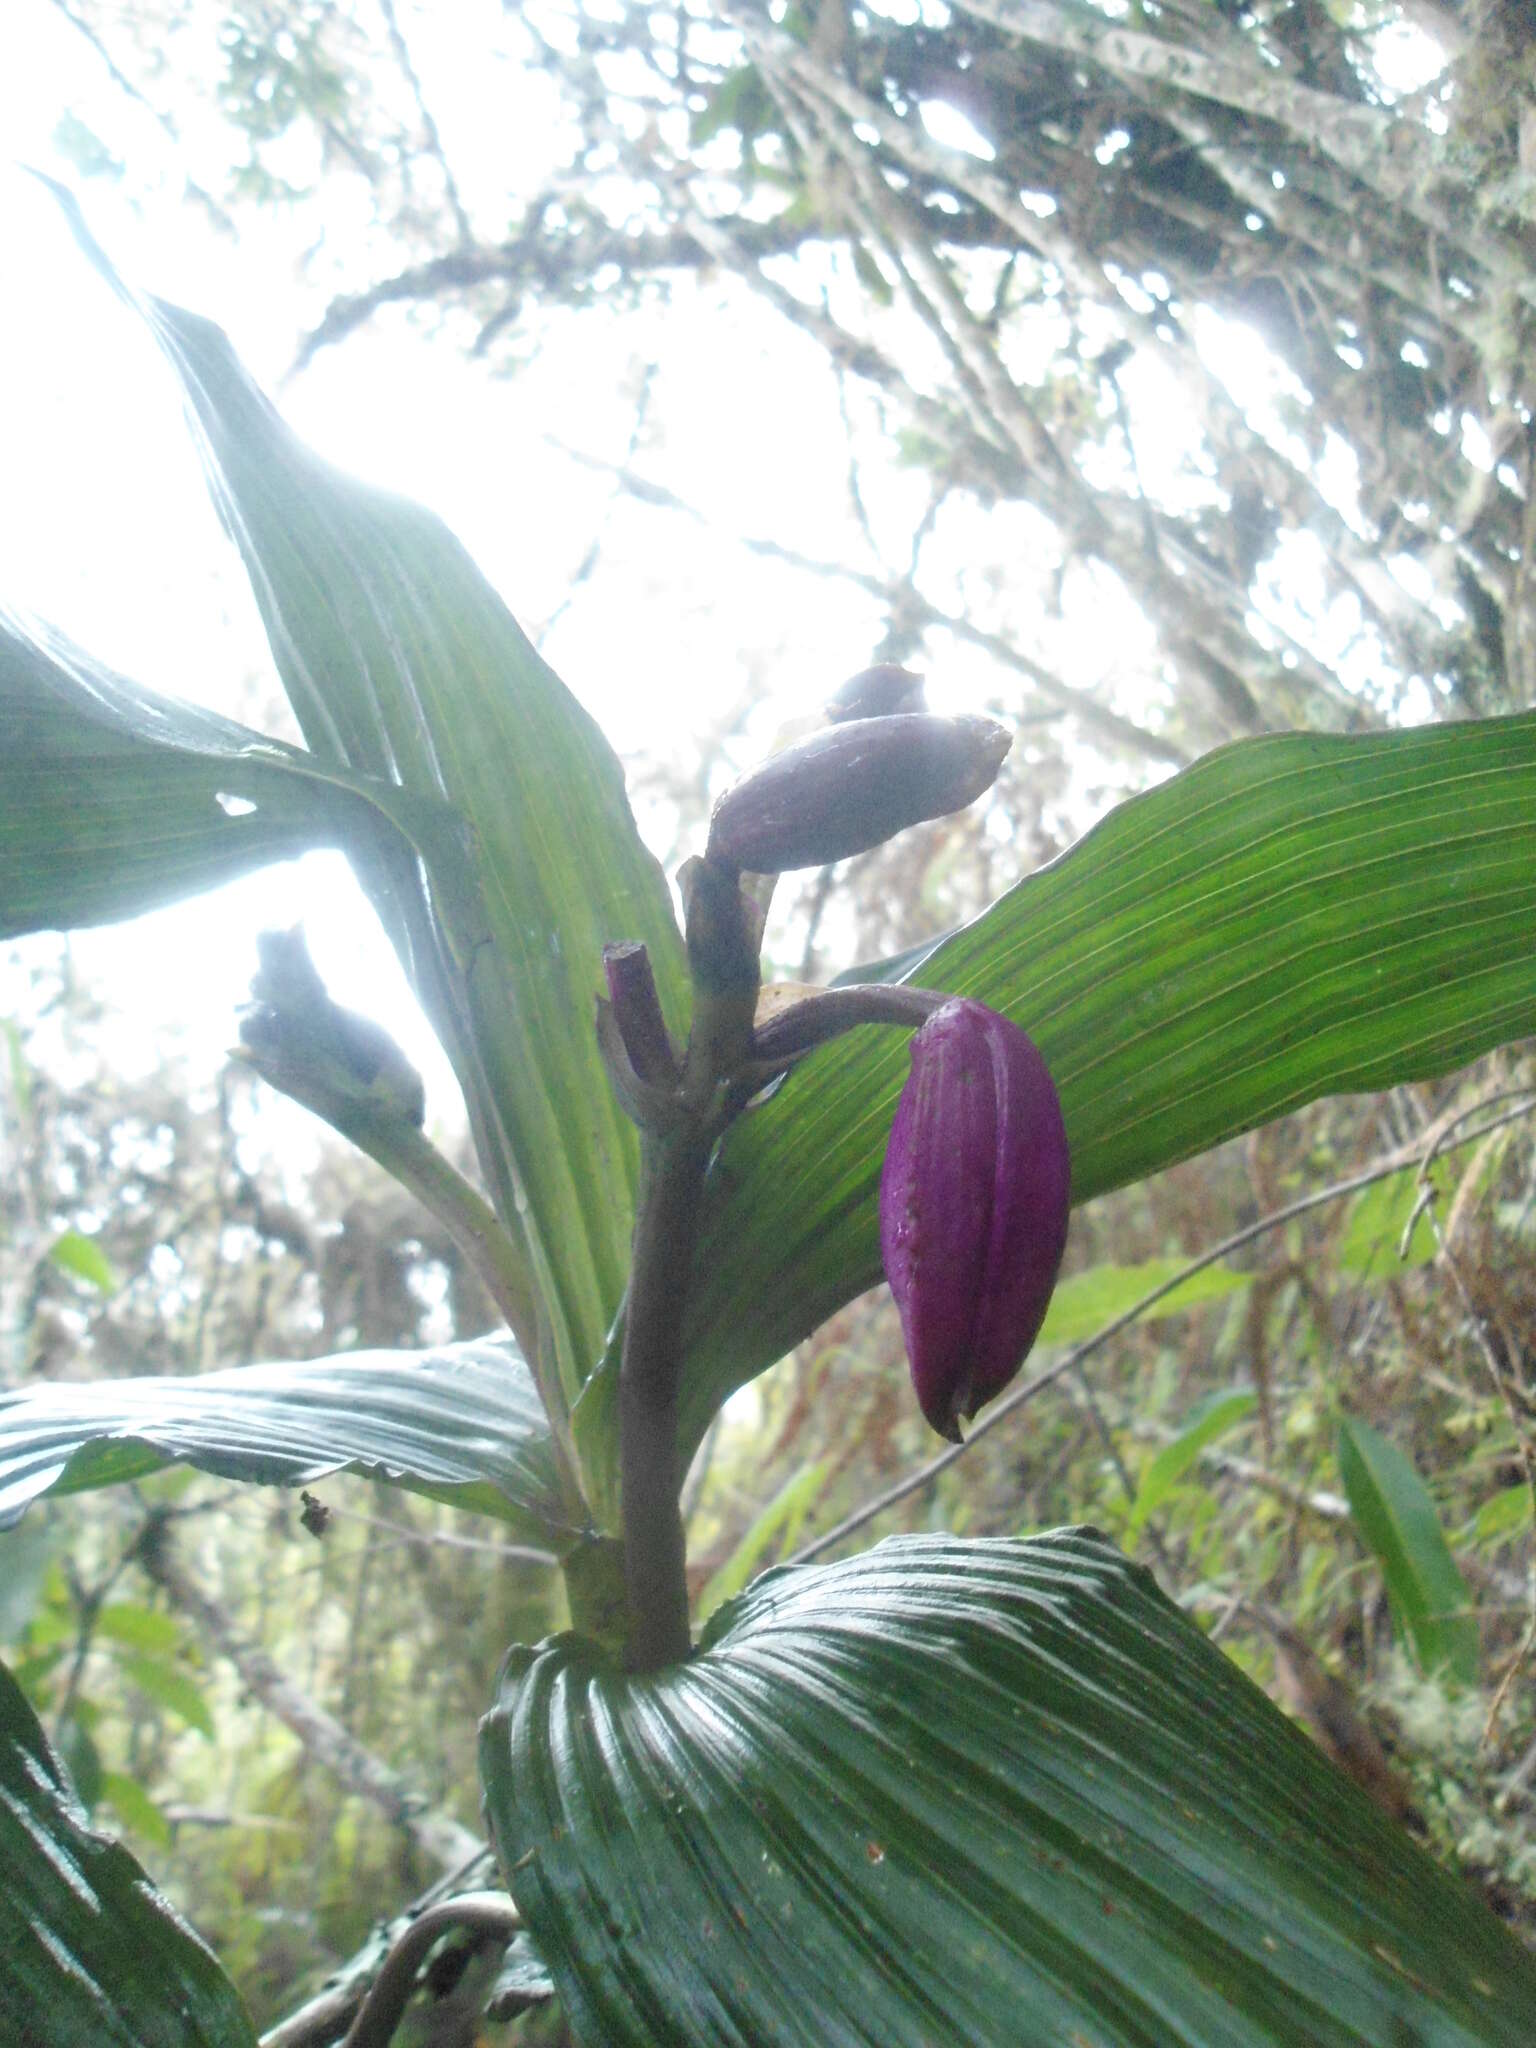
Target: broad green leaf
column 969, row 1795
column 462, row 1424
column 110, row 795
column 1396, row 1517
column 1214, row 1416
column 1508, row 1513
column 172, row 1689
column 1291, row 917
column 73, row 1252
column 136, row 1627
column 403, row 665
column 134, row 1807
column 1085, row 1302
column 778, row 1524
column 89, row 1950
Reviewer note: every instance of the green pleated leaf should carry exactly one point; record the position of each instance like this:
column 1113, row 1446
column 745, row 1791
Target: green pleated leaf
column 109, row 795
column 969, row 1795
column 1291, row 917
column 1393, row 1511
column 89, row 1950
column 462, row 1424
column 403, row 665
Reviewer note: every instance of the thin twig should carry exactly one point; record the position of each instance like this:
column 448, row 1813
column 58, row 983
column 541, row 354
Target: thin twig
column 1097, row 718
column 589, row 561
column 489, row 1915
column 513, row 1553
column 1011, row 1403
column 428, row 125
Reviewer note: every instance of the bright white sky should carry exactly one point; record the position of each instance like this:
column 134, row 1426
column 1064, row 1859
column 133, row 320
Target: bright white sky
column 105, row 527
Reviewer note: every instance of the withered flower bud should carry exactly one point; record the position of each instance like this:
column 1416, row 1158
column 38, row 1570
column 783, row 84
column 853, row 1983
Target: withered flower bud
column 310, row 1047
column 878, row 692
column 848, row 788
column 973, row 1207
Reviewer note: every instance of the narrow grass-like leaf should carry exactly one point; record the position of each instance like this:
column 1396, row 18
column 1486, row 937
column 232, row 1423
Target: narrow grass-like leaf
column 1396, row 1517
column 89, row 1950
column 1217, row 1414
column 1507, row 1513
column 969, row 1795
column 462, row 1424
column 778, row 1525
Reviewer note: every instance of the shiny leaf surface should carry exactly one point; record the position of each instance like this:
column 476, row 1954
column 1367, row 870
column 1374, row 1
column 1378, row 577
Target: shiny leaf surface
column 462, row 1424
column 89, row 1950
column 109, row 795
column 969, row 1795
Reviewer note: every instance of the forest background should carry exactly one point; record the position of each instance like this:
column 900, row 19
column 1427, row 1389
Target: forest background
column 1148, row 377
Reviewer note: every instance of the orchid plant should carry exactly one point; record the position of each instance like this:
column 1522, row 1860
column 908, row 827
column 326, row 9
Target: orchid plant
column 937, row 1791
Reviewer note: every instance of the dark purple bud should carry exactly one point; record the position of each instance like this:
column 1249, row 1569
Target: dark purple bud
column 973, row 1207
column 637, row 1014
column 852, row 786
column 878, row 692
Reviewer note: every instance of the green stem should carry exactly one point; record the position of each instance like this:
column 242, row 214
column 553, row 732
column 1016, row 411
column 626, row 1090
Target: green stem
column 666, row 1228
column 393, row 1141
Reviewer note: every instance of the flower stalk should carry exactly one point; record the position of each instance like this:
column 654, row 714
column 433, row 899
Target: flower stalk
column 837, row 793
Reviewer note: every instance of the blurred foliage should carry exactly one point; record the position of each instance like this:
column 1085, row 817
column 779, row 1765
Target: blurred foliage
column 393, row 1618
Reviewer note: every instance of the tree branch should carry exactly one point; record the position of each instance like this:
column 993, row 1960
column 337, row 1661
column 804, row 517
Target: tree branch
column 324, row 1738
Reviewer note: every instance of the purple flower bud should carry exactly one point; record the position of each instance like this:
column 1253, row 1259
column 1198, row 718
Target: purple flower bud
column 849, row 787
column 973, row 1207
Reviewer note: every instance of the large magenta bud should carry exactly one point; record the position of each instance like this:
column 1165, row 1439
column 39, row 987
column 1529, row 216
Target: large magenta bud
column 973, row 1207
